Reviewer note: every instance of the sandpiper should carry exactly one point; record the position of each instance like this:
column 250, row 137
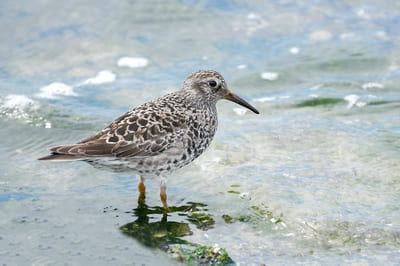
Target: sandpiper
column 159, row 136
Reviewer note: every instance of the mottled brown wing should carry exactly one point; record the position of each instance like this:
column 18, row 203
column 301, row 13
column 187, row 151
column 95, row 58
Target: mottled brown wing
column 136, row 133
column 92, row 148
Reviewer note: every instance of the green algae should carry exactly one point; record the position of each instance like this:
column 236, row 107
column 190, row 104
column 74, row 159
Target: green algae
column 319, row 102
column 207, row 255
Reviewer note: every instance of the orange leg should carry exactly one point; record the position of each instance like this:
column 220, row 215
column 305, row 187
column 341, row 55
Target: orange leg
column 142, row 191
column 163, row 194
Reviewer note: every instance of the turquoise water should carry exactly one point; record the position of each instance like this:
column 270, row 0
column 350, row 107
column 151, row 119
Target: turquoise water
column 313, row 179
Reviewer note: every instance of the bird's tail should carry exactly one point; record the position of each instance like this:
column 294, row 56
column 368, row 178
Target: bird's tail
column 59, row 157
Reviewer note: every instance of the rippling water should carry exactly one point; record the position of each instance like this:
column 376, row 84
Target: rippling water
column 313, row 179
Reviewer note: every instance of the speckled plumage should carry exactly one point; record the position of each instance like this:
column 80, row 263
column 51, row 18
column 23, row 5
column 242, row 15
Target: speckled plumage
column 160, row 136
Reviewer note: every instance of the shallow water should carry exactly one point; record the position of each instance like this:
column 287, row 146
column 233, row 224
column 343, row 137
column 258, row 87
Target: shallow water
column 313, row 179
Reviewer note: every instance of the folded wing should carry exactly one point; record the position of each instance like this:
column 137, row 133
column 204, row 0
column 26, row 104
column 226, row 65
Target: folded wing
column 136, row 133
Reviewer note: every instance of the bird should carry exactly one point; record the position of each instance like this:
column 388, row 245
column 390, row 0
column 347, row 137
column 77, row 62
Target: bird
column 159, row 136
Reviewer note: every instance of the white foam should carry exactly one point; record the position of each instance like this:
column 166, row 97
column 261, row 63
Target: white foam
column 104, row 76
column 353, row 100
column 294, row 50
column 361, row 104
column 372, row 85
column 240, row 111
column 133, row 62
column 269, row 75
column 19, row 102
column 55, row 89
column 242, row 66
column 320, row 35
column 20, row 107
column 265, row 99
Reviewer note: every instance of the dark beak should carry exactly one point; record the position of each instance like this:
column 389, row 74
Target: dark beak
column 234, row 98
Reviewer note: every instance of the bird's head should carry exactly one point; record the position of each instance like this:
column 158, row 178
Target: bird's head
column 209, row 85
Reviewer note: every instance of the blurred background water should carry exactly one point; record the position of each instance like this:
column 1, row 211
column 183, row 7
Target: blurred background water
column 314, row 179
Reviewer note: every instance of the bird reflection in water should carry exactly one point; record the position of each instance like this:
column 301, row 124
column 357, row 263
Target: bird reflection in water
column 151, row 232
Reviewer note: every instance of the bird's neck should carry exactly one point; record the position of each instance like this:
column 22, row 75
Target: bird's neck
column 199, row 101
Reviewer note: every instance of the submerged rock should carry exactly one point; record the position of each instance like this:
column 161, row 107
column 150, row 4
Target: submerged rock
column 206, row 255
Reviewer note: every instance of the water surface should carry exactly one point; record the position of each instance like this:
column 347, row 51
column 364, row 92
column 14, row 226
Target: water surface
column 313, row 179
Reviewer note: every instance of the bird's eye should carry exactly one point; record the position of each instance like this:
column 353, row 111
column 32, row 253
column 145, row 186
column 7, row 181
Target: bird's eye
column 212, row 83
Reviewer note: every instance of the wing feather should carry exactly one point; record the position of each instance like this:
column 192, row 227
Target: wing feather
column 139, row 132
